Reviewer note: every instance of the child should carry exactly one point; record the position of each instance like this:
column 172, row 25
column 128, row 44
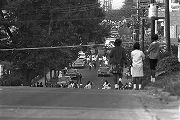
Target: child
column 137, row 57
column 88, row 85
column 106, row 85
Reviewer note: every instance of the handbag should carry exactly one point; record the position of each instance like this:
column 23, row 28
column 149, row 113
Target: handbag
column 116, row 69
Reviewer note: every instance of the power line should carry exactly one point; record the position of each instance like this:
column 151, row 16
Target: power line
column 57, row 47
column 43, row 48
column 67, row 9
column 59, row 20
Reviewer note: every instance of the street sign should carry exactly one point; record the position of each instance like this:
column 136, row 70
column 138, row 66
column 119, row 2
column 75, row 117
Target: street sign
column 153, row 11
column 144, row 4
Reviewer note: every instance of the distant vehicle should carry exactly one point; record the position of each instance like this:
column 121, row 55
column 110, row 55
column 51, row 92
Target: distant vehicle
column 104, row 71
column 64, row 81
column 94, row 57
column 81, row 54
column 79, row 63
column 73, row 73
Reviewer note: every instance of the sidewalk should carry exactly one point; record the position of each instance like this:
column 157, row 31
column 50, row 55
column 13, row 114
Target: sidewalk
column 161, row 105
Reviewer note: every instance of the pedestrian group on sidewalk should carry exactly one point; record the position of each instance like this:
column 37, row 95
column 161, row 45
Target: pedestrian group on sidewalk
column 118, row 60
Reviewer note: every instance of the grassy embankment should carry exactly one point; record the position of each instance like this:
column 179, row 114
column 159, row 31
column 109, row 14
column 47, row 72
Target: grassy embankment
column 168, row 74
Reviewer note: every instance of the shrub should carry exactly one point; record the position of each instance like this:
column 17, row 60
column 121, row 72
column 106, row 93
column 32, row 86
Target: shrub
column 169, row 63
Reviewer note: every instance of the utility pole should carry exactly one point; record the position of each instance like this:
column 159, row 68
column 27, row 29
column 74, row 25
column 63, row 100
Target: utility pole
column 137, row 29
column 142, row 30
column 152, row 22
column 167, row 26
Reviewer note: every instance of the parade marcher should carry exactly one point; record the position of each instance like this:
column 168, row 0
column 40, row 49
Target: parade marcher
column 64, row 70
column 60, row 74
column 153, row 53
column 94, row 64
column 117, row 60
column 106, row 85
column 88, row 59
column 37, row 84
column 71, row 84
column 90, row 65
column 88, row 85
column 41, row 84
column 137, row 57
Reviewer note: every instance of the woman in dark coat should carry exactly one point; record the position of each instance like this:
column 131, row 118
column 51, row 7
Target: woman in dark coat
column 118, row 59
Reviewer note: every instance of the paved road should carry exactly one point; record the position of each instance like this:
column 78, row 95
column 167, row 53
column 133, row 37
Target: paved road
column 91, row 75
column 30, row 103
column 24, row 103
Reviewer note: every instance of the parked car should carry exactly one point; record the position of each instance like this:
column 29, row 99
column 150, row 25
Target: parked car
column 64, row 81
column 73, row 73
column 104, row 71
column 81, row 58
column 79, row 63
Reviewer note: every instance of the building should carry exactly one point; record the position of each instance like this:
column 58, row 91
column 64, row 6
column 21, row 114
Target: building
column 106, row 4
column 174, row 19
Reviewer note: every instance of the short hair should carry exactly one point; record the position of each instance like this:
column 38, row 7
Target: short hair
column 154, row 37
column 118, row 42
column 136, row 46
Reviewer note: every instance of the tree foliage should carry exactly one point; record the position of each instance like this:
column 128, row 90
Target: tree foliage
column 46, row 23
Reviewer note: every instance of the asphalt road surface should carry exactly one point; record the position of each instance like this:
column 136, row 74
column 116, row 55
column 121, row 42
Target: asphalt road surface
column 91, row 75
column 30, row 103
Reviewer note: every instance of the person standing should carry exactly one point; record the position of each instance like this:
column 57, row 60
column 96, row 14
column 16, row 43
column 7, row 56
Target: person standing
column 117, row 60
column 137, row 57
column 153, row 53
column 90, row 65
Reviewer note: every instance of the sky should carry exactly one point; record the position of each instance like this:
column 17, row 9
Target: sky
column 117, row 4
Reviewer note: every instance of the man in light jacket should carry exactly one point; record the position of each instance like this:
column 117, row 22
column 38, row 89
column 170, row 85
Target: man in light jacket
column 153, row 52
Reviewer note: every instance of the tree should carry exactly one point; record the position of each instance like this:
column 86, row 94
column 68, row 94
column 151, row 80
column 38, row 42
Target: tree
column 45, row 23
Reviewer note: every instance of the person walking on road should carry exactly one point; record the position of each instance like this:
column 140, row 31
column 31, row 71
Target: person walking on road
column 153, row 53
column 117, row 60
column 90, row 65
column 137, row 57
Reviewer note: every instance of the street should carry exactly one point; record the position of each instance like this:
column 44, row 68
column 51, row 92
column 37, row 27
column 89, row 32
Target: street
column 34, row 103
column 25, row 103
column 43, row 103
column 91, row 75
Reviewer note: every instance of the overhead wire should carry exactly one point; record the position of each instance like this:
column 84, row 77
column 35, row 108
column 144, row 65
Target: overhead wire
column 41, row 48
column 66, row 10
column 56, row 47
column 75, row 8
column 61, row 10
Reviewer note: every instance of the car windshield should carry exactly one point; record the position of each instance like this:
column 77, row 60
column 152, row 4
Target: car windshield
column 104, row 69
column 79, row 61
column 72, row 71
column 65, row 78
